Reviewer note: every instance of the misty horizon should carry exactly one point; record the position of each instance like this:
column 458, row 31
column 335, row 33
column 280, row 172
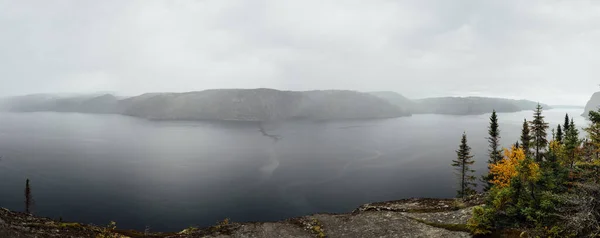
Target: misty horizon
column 418, row 49
column 116, row 94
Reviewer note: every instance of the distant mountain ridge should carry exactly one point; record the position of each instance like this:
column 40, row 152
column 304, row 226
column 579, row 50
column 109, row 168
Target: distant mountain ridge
column 45, row 102
column 263, row 105
column 459, row 105
column 222, row 104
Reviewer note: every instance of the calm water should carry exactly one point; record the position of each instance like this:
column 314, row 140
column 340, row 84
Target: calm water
column 172, row 175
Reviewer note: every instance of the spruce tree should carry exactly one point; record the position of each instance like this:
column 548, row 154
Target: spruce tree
column 553, row 175
column 593, row 131
column 28, row 197
column 463, row 166
column 566, row 125
column 538, row 134
column 517, row 145
column 495, row 154
column 525, row 138
column 594, row 116
column 559, row 134
column 494, row 139
column 572, row 143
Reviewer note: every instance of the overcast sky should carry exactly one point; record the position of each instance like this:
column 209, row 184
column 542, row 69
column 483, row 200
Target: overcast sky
column 547, row 51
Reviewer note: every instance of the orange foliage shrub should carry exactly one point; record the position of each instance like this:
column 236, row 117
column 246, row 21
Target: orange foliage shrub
column 506, row 169
column 513, row 164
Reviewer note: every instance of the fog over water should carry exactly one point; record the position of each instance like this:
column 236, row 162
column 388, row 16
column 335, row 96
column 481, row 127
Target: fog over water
column 541, row 50
column 173, row 174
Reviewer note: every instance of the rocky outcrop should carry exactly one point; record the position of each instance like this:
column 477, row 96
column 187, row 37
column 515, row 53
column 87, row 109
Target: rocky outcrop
column 592, row 105
column 404, row 218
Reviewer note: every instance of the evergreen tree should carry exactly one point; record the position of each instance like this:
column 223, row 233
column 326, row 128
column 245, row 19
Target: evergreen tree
column 559, row 134
column 572, row 143
column 517, row 145
column 538, row 134
column 494, row 139
column 28, row 198
column 554, row 176
column 593, row 131
column 463, row 166
column 495, row 154
column 566, row 125
column 594, row 116
column 525, row 138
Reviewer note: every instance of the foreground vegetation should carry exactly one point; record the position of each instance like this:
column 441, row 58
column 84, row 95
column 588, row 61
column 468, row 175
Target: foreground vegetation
column 547, row 188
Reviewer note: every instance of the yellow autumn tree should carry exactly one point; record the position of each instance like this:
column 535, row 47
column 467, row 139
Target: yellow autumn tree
column 514, row 164
column 565, row 157
column 557, row 148
column 506, row 169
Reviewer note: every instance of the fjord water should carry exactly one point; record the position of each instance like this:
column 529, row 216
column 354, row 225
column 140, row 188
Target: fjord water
column 171, row 175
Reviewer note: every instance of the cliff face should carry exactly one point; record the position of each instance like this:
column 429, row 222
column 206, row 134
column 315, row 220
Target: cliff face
column 592, row 105
column 224, row 104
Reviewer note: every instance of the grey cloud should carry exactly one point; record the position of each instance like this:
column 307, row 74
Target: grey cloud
column 418, row 48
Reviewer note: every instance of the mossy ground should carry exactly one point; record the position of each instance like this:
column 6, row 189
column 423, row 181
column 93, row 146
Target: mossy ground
column 450, row 227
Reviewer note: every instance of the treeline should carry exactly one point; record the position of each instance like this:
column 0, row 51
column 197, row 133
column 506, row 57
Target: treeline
column 549, row 188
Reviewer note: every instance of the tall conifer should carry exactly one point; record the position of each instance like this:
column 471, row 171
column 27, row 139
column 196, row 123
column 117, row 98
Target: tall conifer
column 593, row 131
column 28, row 197
column 566, row 125
column 463, row 164
column 494, row 152
column 572, row 143
column 559, row 134
column 525, row 138
column 539, row 134
column 494, row 140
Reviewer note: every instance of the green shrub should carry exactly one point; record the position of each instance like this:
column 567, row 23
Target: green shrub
column 482, row 221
